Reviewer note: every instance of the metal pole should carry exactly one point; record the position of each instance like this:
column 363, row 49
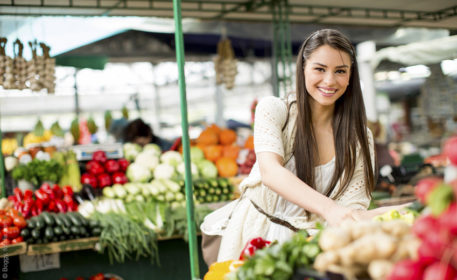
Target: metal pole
column 2, row 167
column 276, row 78
column 193, row 252
column 77, row 110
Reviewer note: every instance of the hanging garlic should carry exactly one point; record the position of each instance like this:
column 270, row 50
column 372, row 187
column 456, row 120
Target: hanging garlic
column 8, row 77
column 32, row 69
column 49, row 63
column 225, row 64
column 19, row 66
column 2, row 59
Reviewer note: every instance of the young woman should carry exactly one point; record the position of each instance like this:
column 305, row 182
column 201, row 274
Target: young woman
column 315, row 155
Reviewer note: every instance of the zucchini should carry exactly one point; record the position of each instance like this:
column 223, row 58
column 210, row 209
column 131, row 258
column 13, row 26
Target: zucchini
column 83, row 231
column 48, row 219
column 31, row 223
column 81, row 218
column 96, row 231
column 49, row 233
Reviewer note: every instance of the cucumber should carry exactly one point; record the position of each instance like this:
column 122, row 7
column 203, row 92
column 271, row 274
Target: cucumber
column 83, row 231
column 48, row 219
column 66, row 230
column 93, row 223
column 96, row 231
column 74, row 230
column 31, row 223
column 65, row 219
column 57, row 219
column 48, row 233
column 74, row 219
column 25, row 233
column 36, row 234
column 58, row 230
column 81, row 218
column 62, row 237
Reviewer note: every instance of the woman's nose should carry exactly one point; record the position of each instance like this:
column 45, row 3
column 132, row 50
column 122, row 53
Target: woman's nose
column 329, row 78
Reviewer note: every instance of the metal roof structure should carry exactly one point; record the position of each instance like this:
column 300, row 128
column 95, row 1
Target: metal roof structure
column 386, row 13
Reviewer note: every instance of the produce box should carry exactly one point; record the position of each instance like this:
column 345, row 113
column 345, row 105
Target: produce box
column 63, row 246
column 13, row 249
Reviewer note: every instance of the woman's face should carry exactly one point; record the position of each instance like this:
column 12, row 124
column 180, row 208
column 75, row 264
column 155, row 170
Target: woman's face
column 327, row 72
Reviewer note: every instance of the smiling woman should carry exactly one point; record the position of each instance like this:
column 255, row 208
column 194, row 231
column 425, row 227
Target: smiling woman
column 315, row 155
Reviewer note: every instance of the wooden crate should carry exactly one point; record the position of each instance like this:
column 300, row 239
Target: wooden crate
column 63, row 246
column 13, row 249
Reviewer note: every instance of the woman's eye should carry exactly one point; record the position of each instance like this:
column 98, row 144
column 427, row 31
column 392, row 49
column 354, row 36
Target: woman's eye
column 319, row 69
column 341, row 71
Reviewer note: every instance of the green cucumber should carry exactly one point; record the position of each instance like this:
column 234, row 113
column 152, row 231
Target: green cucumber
column 65, row 219
column 57, row 219
column 58, row 230
column 36, row 234
column 48, row 233
column 48, row 219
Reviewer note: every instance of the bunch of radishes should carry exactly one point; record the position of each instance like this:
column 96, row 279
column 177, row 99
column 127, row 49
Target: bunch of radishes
column 102, row 172
column 437, row 254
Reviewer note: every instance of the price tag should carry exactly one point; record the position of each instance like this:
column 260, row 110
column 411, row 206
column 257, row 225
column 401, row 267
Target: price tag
column 39, row 262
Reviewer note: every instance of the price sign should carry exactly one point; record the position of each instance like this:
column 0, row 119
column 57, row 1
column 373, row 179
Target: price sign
column 39, row 262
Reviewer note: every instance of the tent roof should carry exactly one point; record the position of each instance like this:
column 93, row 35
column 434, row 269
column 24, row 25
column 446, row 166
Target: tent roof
column 386, row 13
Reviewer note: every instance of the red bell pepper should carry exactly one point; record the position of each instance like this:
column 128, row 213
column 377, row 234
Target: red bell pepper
column 43, row 196
column 111, row 166
column 57, row 191
column 61, row 206
column 94, row 167
column 28, row 194
column 99, row 156
column 123, row 164
column 18, row 194
column 104, row 180
column 52, row 207
column 46, row 188
column 252, row 246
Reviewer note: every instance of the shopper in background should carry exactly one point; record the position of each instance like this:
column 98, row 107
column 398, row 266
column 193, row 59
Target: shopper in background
column 315, row 155
column 137, row 131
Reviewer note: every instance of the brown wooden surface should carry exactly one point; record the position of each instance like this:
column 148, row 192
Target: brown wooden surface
column 13, row 249
column 63, row 246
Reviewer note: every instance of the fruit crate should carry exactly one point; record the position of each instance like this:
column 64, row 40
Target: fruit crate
column 63, row 246
column 13, row 249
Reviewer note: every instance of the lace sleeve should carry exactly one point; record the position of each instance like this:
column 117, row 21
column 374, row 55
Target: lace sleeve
column 355, row 196
column 270, row 117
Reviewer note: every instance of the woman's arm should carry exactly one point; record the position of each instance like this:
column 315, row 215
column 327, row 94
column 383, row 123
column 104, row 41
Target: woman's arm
column 289, row 186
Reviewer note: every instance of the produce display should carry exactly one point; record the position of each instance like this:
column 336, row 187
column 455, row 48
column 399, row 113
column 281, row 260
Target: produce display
column 52, row 227
column 38, row 171
column 102, row 172
column 46, row 198
column 211, row 190
column 71, row 175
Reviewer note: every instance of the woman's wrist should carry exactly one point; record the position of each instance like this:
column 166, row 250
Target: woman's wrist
column 326, row 207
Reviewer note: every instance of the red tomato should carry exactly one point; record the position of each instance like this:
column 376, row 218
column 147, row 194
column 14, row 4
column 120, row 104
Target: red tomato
column 11, row 232
column 17, row 240
column 19, row 222
column 5, row 242
column 5, row 221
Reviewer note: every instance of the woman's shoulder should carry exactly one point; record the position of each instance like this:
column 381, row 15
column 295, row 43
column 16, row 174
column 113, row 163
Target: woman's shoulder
column 272, row 103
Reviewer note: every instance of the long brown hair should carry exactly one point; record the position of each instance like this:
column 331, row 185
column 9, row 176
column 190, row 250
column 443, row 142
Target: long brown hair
column 349, row 120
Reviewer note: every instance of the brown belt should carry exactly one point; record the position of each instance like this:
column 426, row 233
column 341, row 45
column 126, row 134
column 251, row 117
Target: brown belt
column 274, row 219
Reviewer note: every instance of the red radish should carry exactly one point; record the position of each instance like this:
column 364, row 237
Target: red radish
column 104, row 180
column 440, row 271
column 119, row 178
column 407, row 270
column 112, row 166
column 94, row 167
column 90, row 179
column 423, row 225
column 99, row 156
column 448, row 219
column 425, row 186
column 450, row 149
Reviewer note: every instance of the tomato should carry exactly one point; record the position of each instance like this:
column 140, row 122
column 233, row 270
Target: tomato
column 11, row 232
column 13, row 213
column 98, row 276
column 5, row 221
column 19, row 222
column 17, row 240
column 5, row 242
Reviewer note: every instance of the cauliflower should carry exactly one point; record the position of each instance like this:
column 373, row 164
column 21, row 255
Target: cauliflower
column 196, row 154
column 138, row 173
column 207, row 169
column 193, row 169
column 131, row 151
column 153, row 147
column 165, row 171
column 171, row 157
column 148, row 159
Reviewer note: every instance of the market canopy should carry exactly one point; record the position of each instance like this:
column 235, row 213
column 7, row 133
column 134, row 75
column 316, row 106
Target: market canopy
column 387, row 13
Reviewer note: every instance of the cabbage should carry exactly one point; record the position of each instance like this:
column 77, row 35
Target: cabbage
column 196, row 154
column 193, row 169
column 207, row 169
column 165, row 171
column 153, row 147
column 131, row 151
column 171, row 157
column 138, row 173
column 148, row 159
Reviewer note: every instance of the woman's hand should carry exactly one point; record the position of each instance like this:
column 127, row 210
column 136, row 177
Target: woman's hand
column 336, row 214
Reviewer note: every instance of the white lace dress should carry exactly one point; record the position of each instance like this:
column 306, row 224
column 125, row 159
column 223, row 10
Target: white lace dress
column 246, row 221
